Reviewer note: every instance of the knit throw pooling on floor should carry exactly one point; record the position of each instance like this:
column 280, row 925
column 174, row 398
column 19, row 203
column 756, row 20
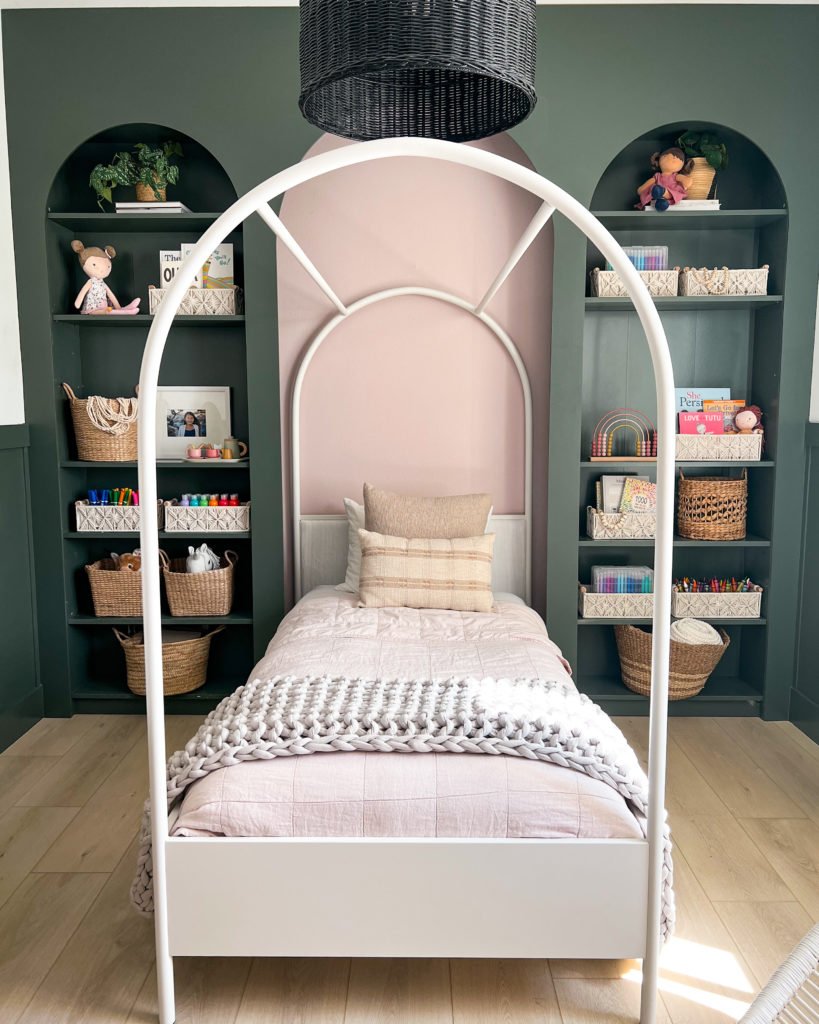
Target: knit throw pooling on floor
column 288, row 716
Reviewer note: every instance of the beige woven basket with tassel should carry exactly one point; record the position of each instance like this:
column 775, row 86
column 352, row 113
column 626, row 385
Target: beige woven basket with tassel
column 105, row 429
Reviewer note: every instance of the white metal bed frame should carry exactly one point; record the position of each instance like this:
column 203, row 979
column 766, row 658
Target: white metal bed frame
column 222, row 896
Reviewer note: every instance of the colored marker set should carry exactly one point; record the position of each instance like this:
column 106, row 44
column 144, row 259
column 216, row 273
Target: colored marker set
column 617, row 579
column 210, row 500
column 115, row 496
column 646, row 257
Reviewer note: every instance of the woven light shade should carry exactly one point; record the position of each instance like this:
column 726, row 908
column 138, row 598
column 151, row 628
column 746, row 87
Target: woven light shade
column 435, row 69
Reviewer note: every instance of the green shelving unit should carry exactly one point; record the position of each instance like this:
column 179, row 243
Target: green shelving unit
column 714, row 341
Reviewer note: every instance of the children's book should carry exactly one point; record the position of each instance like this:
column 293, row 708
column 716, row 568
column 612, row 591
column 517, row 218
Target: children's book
column 701, row 423
column 638, row 496
column 729, row 407
column 612, row 487
column 170, row 260
column 217, row 270
column 691, row 399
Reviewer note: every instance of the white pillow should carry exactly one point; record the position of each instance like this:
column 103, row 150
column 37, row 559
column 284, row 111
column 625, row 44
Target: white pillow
column 355, row 522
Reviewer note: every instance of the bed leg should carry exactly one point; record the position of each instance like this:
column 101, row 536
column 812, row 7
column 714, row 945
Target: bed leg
column 648, row 989
column 165, row 989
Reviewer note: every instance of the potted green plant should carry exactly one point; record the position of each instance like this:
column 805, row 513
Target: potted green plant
column 709, row 155
column 148, row 168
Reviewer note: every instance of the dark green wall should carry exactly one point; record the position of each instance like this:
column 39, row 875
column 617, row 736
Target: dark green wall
column 606, row 75
column 21, row 698
column 805, row 695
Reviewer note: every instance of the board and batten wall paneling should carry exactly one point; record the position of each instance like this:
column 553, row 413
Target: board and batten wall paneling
column 804, row 706
column 21, row 701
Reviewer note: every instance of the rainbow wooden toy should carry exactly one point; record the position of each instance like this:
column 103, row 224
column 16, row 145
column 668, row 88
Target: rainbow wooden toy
column 645, row 437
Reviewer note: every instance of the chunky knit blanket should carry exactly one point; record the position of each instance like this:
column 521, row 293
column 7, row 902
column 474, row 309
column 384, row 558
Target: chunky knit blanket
column 286, row 716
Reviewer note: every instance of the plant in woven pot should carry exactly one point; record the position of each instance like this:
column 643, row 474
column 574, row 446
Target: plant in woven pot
column 148, row 168
column 709, row 156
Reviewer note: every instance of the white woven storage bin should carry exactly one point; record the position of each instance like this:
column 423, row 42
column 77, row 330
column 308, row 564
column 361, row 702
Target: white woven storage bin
column 606, row 284
column 620, row 525
column 719, row 447
column 717, row 606
column 614, row 606
column 207, row 518
column 722, row 281
column 111, row 518
column 201, row 301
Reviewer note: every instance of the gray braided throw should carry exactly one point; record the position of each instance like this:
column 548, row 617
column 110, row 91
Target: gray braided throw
column 287, row 715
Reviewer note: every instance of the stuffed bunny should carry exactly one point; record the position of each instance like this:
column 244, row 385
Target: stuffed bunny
column 202, row 559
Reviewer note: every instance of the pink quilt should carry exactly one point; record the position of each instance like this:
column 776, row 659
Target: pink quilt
column 394, row 794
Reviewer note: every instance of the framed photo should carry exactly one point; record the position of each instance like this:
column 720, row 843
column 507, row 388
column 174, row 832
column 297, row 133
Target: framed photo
column 190, row 415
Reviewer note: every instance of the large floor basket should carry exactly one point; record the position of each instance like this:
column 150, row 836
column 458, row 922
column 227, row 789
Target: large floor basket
column 184, row 662
column 690, row 665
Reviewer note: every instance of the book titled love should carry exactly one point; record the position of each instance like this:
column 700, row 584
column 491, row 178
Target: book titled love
column 701, row 423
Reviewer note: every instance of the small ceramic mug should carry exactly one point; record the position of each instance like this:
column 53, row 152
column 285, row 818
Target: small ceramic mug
column 213, row 453
column 237, row 449
column 193, row 452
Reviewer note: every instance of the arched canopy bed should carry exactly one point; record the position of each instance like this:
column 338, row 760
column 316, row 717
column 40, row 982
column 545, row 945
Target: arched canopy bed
column 581, row 898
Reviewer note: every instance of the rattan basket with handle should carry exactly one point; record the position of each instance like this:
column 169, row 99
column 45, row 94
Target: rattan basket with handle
column 712, row 507
column 199, row 593
column 114, row 592
column 690, row 665
column 184, row 662
column 115, row 441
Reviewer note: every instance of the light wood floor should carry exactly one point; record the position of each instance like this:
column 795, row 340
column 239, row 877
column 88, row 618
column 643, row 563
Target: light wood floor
column 743, row 798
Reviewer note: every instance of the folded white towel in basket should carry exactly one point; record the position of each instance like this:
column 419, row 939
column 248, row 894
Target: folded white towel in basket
column 694, row 631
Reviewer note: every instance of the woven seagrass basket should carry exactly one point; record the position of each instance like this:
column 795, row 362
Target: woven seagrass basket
column 199, row 593
column 702, row 178
column 690, row 665
column 114, row 592
column 184, row 662
column 712, row 507
column 145, row 194
column 95, row 445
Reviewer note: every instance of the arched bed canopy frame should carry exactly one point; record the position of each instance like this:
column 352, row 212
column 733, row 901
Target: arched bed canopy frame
column 257, row 201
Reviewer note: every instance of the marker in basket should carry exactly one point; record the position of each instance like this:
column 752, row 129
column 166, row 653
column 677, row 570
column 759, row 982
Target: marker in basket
column 93, row 498
column 134, row 497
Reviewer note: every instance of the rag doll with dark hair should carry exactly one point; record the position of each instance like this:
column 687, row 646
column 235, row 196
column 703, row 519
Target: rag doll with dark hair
column 670, row 182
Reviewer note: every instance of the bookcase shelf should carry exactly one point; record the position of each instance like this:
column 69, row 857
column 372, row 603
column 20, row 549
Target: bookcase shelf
column 114, row 223
column 143, row 319
column 730, row 341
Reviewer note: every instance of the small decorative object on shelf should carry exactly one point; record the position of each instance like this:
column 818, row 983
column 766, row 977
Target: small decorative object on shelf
column 717, row 598
column 690, row 663
column 712, row 507
column 95, row 296
column 707, row 155
column 630, row 420
column 208, row 518
column 201, row 559
column 202, row 593
column 233, row 449
column 670, row 181
column 148, row 168
column 105, row 429
column 110, row 518
column 723, row 281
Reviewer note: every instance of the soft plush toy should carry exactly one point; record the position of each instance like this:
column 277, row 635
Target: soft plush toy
column 95, row 296
column 130, row 561
column 749, row 420
column 201, row 559
column 670, row 182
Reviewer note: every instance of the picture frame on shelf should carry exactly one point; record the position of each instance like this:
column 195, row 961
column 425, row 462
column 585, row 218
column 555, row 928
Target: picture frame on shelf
column 190, row 415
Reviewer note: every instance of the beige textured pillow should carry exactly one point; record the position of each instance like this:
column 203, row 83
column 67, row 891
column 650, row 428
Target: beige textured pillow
column 423, row 572
column 400, row 515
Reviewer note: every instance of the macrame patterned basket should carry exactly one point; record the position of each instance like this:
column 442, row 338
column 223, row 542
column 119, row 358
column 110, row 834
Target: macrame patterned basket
column 712, row 507
column 690, row 665
column 613, row 606
column 719, row 447
column 184, row 662
column 199, row 593
column 660, row 283
column 201, row 301
column 717, row 606
column 207, row 518
column 105, row 429
column 114, row 592
column 620, row 525
column 111, row 518
column 722, row 281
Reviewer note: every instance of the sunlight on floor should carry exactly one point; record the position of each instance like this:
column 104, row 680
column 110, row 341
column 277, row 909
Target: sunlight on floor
column 714, row 969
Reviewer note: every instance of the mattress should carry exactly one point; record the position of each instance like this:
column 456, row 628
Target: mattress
column 399, row 794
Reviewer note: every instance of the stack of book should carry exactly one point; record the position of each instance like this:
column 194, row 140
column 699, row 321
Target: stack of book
column 156, row 207
column 688, row 204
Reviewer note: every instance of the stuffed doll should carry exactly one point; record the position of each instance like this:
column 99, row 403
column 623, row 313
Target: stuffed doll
column 670, row 182
column 749, row 420
column 95, row 296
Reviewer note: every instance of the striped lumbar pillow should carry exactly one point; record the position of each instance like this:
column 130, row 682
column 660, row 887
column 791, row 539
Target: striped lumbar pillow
column 426, row 572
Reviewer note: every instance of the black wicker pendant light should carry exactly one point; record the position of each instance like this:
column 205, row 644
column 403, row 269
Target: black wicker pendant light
column 438, row 69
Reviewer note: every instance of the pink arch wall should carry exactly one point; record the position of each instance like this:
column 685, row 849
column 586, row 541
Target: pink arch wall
column 411, row 394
